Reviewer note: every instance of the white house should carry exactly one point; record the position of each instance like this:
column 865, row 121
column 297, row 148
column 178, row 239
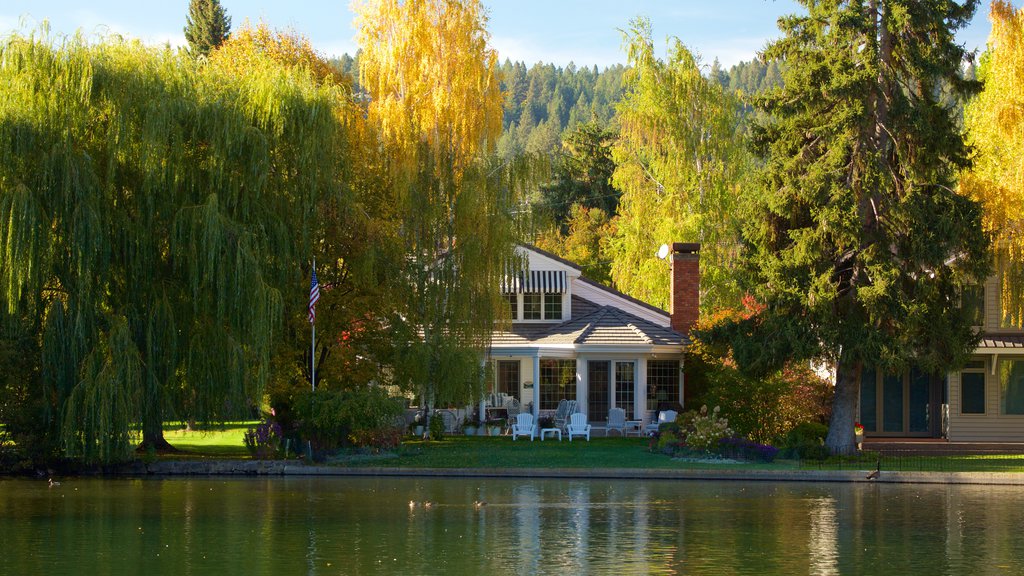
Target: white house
column 572, row 338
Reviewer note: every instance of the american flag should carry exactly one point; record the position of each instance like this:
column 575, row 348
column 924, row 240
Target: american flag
column 314, row 295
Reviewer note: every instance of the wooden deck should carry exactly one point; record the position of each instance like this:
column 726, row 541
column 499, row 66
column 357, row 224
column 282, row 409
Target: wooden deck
column 940, row 447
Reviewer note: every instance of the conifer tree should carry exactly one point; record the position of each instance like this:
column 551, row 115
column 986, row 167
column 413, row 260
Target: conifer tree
column 858, row 245
column 207, row 26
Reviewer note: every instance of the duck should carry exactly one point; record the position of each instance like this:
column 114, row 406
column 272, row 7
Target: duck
column 53, row 483
column 874, row 474
column 479, row 504
column 428, row 504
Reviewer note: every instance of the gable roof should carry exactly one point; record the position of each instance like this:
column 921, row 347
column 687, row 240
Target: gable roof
column 610, row 291
column 591, row 325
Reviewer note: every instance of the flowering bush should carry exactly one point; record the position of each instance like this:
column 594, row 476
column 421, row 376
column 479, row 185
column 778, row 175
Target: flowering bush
column 263, row 441
column 858, row 428
column 708, row 430
column 743, row 449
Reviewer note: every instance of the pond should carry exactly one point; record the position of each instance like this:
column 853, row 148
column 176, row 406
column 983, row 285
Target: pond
column 331, row 525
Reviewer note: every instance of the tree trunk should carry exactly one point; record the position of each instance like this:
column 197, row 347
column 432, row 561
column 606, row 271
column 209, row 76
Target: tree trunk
column 840, row 438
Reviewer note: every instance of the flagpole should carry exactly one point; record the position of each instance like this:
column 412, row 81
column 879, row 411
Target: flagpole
column 312, row 351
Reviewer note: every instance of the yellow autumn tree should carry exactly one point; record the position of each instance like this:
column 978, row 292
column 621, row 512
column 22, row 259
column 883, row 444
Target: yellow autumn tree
column 431, row 75
column 995, row 124
column 436, row 105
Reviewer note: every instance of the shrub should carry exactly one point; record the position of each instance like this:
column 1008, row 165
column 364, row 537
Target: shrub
column 762, row 407
column 707, row 430
column 436, row 427
column 263, row 441
column 667, row 443
column 333, row 419
column 806, row 441
column 744, row 449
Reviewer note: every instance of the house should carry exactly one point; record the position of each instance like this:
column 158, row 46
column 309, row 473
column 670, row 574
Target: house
column 572, row 338
column 983, row 402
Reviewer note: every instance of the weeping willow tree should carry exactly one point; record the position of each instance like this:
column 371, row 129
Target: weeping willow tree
column 436, row 103
column 679, row 168
column 152, row 210
column 995, row 125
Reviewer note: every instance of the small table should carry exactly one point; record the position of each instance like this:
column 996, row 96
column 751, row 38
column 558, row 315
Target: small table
column 554, row 431
column 633, row 427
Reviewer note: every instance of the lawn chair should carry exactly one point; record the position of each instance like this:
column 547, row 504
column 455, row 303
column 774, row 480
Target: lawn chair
column 565, row 409
column 616, row 421
column 513, row 409
column 664, row 417
column 524, row 426
column 578, row 426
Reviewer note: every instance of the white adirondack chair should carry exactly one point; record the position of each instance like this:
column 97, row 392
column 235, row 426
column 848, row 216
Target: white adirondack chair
column 578, row 426
column 663, row 417
column 616, row 421
column 565, row 409
column 524, row 426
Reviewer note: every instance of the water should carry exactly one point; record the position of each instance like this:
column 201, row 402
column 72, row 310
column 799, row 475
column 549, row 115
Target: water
column 325, row 526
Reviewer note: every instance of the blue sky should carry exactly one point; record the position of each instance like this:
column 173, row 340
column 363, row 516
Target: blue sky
column 582, row 31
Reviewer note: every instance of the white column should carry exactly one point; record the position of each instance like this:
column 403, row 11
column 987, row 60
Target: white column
column 536, row 386
column 482, row 414
column 640, row 392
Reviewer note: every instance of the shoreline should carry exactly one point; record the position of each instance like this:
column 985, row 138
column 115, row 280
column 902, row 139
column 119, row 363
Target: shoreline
column 286, row 468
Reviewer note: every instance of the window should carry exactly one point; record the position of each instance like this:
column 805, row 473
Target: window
column 531, row 306
column 557, row 381
column 552, row 306
column 868, row 399
column 508, row 377
column 1011, row 386
column 662, row 383
column 598, row 376
column 624, row 388
column 972, row 389
column 972, row 300
column 513, row 305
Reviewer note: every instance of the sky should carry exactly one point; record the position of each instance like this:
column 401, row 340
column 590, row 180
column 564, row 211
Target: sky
column 585, row 32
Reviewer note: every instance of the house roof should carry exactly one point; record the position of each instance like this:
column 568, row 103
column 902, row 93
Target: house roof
column 590, row 282
column 591, row 324
column 1002, row 341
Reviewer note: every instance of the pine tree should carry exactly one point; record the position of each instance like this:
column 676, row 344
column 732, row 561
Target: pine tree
column 858, row 245
column 207, row 26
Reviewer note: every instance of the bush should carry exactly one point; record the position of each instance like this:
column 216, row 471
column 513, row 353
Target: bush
column 761, row 407
column 436, row 427
column 707, row 430
column 743, row 449
column 806, row 441
column 333, row 419
column 264, row 441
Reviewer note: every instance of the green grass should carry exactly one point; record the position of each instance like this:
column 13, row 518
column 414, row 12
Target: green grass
column 221, row 441
column 502, row 452
column 909, row 463
column 225, row 441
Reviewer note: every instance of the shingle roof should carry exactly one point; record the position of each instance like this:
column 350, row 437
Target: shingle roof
column 591, row 324
column 1002, row 341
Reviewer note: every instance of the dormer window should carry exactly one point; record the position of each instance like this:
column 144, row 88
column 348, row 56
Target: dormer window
column 542, row 293
column 552, row 306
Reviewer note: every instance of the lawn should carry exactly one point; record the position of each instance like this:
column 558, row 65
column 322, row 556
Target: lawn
column 502, row 452
column 225, row 441
column 218, row 441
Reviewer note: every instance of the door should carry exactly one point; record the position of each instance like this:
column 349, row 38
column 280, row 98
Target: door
column 625, row 388
column 897, row 404
column 598, row 380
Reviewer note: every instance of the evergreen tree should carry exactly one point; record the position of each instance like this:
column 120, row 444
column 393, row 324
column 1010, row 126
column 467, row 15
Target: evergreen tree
column 858, row 244
column 207, row 26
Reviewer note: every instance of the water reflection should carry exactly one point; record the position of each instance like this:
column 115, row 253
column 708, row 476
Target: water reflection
column 433, row 526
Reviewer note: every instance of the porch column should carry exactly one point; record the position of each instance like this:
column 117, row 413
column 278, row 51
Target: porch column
column 640, row 391
column 536, row 387
column 482, row 414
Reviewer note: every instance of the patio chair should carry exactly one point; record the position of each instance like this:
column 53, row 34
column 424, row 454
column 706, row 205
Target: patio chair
column 616, row 421
column 578, row 426
column 663, row 417
column 512, row 408
column 565, row 409
column 524, row 426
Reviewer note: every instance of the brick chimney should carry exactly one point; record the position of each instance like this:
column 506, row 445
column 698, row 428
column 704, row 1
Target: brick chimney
column 685, row 304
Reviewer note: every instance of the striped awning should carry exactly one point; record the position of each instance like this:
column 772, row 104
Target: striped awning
column 550, row 281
